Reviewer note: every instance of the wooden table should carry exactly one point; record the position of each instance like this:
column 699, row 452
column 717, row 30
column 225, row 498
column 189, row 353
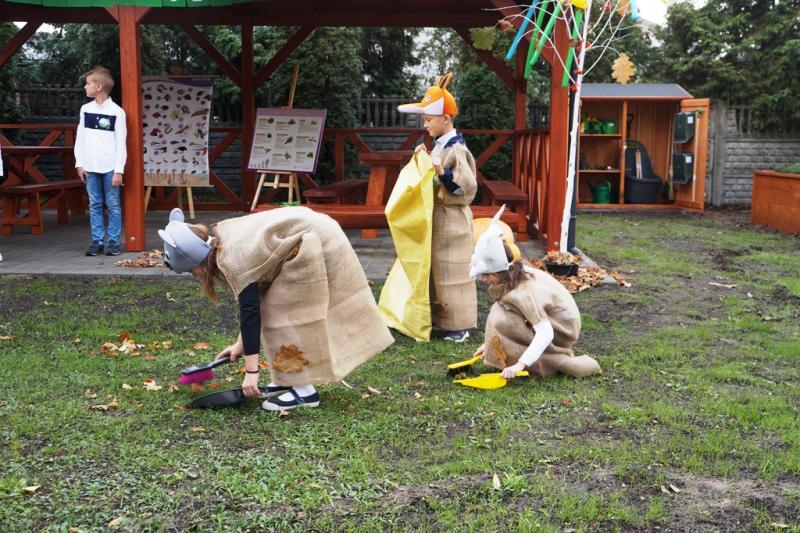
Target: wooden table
column 384, row 169
column 21, row 163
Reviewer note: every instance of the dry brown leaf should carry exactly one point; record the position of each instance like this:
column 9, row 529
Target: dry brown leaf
column 125, row 386
column 412, row 358
column 263, row 364
column 290, row 359
column 89, row 393
column 166, row 344
column 495, row 482
column 74, row 529
column 374, row 391
column 282, row 414
column 505, row 25
column 30, row 489
column 202, row 345
column 779, row 525
column 213, row 385
column 116, row 521
column 149, row 357
column 674, row 488
column 364, row 396
column 196, row 388
column 499, row 352
column 123, row 336
column 417, row 395
column 664, row 489
column 619, row 279
column 346, row 384
column 168, row 296
column 723, row 285
column 197, row 429
column 151, row 259
column 150, row 385
column 623, row 69
column 105, row 406
column 172, row 386
column 5, row 337
column 109, row 348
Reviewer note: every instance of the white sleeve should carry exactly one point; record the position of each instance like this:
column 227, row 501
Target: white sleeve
column 79, row 142
column 120, row 138
column 541, row 340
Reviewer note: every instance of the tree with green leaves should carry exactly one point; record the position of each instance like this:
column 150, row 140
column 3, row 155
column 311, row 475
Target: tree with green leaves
column 741, row 51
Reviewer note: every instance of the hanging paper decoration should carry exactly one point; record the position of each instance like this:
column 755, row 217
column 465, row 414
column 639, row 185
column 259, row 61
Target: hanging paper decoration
column 623, row 69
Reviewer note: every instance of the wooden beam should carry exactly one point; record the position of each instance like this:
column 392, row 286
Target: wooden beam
column 248, row 111
column 18, row 40
column 494, row 64
column 520, row 118
column 281, row 55
column 213, row 53
column 138, row 13
column 559, row 144
column 130, row 61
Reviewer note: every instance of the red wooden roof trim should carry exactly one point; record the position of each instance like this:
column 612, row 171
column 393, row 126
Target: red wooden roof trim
column 494, row 64
column 281, row 55
column 221, row 61
column 18, row 40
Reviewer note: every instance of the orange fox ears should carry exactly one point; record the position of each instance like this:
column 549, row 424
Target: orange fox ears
column 443, row 81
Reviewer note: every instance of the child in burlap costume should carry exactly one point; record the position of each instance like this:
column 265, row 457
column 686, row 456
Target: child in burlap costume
column 454, row 302
column 534, row 321
column 301, row 292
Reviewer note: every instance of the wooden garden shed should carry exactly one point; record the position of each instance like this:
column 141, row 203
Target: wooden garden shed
column 539, row 165
column 646, row 143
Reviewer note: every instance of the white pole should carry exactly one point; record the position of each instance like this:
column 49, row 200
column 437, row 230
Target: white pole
column 573, row 134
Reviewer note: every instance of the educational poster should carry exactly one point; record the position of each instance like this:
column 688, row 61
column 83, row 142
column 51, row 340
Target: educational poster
column 287, row 140
column 175, row 119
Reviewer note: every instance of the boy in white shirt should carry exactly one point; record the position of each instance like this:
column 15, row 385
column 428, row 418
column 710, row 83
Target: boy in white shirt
column 100, row 156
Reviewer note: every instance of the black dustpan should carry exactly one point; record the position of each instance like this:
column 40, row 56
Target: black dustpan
column 226, row 398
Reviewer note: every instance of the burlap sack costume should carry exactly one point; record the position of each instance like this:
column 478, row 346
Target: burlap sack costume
column 534, row 300
column 454, row 301
column 314, row 295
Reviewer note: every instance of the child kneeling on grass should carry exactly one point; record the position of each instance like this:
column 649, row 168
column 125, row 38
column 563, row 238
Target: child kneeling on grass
column 534, row 321
column 301, row 291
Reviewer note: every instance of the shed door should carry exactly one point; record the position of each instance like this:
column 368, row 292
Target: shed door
column 692, row 195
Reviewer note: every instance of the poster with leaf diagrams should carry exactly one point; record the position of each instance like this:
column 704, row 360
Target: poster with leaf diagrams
column 287, row 140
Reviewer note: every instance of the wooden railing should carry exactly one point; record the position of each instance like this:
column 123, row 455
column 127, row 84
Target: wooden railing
column 529, row 172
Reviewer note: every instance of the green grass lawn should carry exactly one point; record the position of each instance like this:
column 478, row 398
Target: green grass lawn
column 693, row 426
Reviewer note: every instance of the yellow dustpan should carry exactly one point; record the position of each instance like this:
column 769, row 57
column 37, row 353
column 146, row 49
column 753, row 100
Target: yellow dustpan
column 488, row 381
column 455, row 368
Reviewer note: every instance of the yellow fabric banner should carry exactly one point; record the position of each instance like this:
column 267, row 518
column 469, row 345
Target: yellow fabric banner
column 405, row 299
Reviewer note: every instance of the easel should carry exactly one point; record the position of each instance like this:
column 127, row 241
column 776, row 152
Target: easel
column 277, row 182
column 149, row 190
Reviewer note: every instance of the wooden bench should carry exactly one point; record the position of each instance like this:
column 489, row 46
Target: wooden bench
column 363, row 216
column 501, row 192
column 67, row 194
column 339, row 192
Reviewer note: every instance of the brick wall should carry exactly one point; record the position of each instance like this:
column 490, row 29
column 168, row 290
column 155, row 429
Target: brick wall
column 735, row 152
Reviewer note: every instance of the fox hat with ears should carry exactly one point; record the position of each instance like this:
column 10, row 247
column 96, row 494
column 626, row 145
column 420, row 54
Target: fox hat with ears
column 437, row 100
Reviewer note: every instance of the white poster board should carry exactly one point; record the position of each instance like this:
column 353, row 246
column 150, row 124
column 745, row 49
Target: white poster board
column 175, row 115
column 287, row 140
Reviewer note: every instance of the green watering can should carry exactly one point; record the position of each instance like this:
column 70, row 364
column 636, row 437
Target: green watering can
column 601, row 192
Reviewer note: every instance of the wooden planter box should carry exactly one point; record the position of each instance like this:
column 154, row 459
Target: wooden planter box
column 776, row 200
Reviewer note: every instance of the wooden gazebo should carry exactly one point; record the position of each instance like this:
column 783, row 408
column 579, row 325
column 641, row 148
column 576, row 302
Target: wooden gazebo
column 539, row 166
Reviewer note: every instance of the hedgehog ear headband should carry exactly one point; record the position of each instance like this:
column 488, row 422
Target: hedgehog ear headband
column 183, row 250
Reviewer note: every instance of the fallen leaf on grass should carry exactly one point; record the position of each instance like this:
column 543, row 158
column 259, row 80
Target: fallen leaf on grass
column 197, row 429
column 346, row 384
column 89, row 393
column 779, row 525
column 495, row 482
column 723, row 285
column 104, row 406
column 373, row 391
column 172, row 387
column 412, row 358
column 169, row 297
column 151, row 259
column 109, row 348
column 417, row 395
column 116, row 521
column 30, row 489
column 202, row 345
column 151, row 385
column 674, row 488
column 123, row 336
column 196, row 388
column 617, row 276
column 74, row 529
column 5, row 337
column 166, row 344
column 664, row 489
column 125, row 386
column 149, row 357
column 282, row 414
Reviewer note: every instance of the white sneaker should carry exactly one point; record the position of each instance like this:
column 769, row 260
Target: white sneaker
column 457, row 336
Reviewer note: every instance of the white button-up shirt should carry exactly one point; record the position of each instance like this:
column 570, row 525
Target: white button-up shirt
column 100, row 140
column 444, row 139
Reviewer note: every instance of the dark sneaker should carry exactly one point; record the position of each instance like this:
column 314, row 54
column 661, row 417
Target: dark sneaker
column 276, row 404
column 112, row 248
column 96, row 248
column 278, row 388
column 456, row 336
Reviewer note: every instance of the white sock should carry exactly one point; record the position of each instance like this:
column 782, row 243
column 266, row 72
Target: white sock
column 302, row 390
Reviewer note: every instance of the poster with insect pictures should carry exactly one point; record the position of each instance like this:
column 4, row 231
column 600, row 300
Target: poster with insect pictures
column 287, row 140
column 175, row 120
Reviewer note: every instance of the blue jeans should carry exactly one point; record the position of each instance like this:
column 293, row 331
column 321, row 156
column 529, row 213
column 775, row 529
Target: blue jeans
column 100, row 191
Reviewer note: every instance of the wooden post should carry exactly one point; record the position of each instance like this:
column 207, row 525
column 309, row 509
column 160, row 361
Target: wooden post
column 248, row 111
column 130, row 77
column 521, row 123
column 559, row 143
